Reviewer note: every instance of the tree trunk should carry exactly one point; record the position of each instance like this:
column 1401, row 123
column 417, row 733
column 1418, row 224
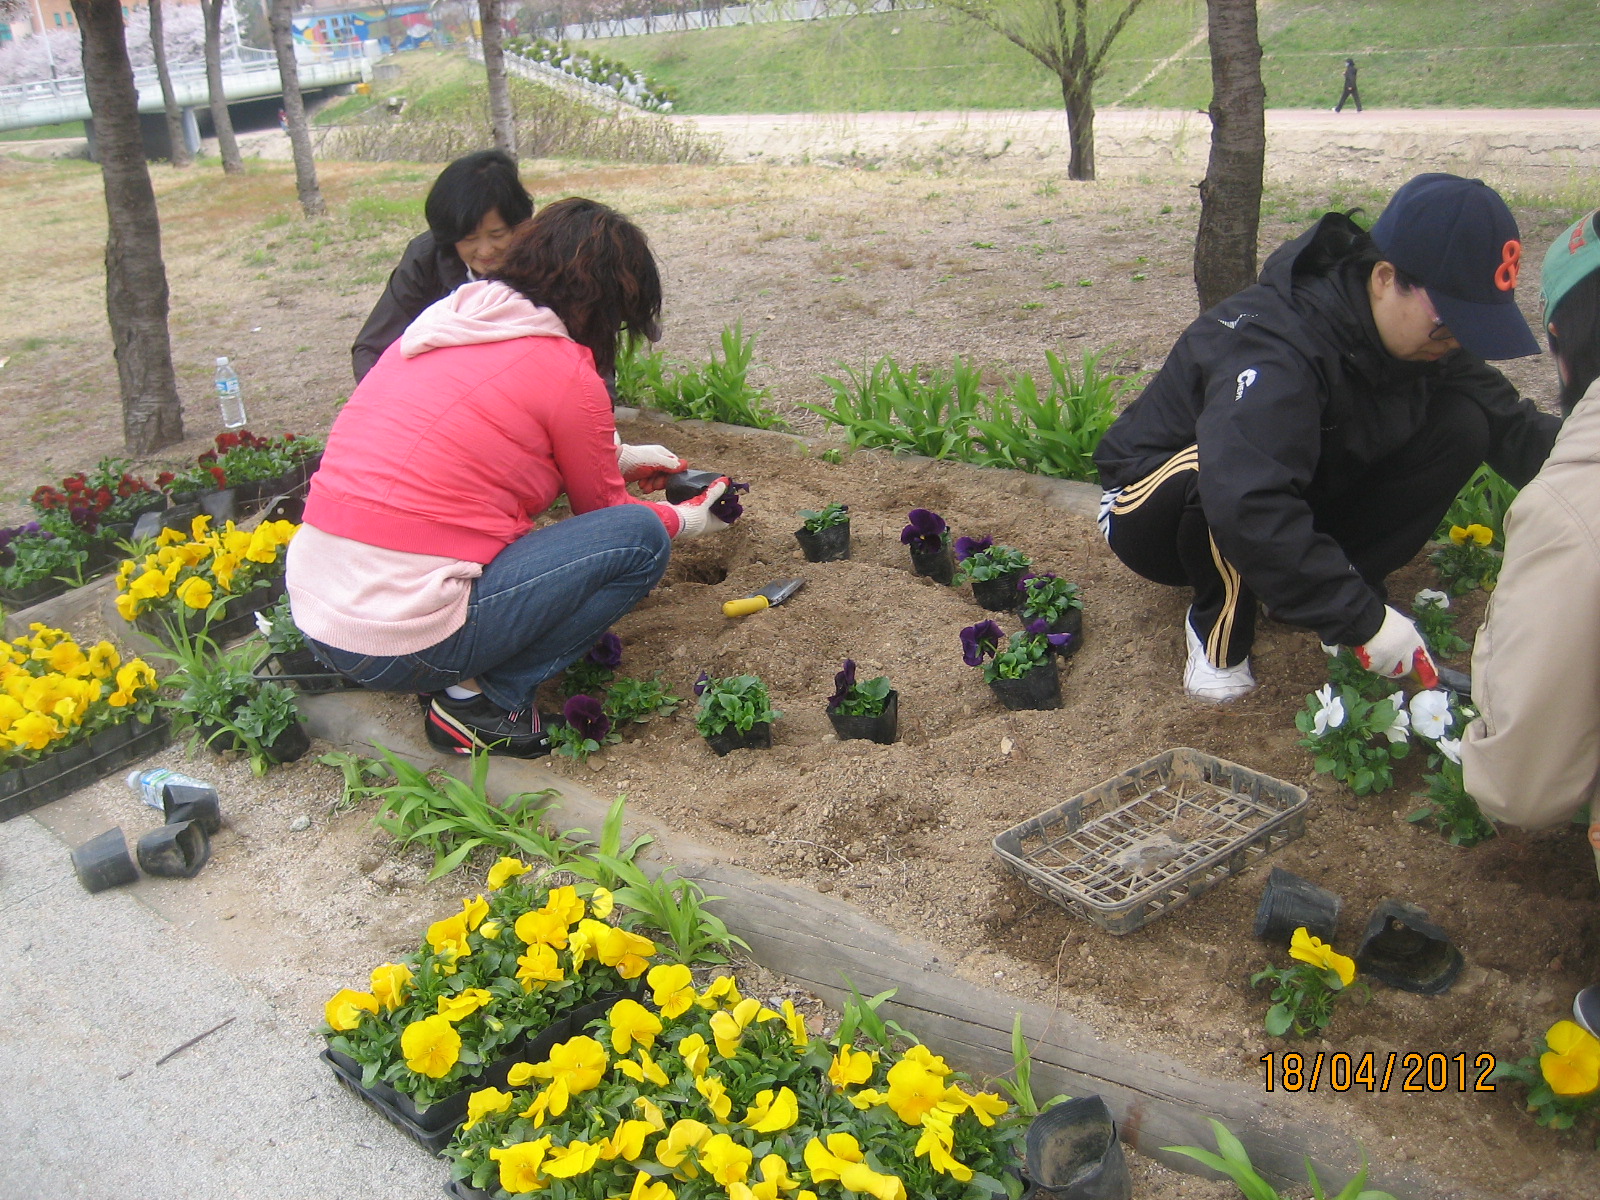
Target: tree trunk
column 1230, row 194
column 294, row 109
column 180, row 156
column 227, row 145
column 1079, row 102
column 494, row 64
column 136, row 278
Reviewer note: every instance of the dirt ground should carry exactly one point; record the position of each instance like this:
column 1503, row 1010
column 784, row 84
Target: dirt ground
column 831, row 266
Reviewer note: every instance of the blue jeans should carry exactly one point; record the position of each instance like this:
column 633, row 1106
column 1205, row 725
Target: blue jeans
column 541, row 603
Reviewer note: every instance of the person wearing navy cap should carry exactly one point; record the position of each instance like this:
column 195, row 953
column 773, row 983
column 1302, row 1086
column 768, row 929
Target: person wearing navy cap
column 1305, row 436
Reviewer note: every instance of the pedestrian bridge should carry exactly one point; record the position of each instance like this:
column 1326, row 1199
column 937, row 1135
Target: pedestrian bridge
column 247, row 74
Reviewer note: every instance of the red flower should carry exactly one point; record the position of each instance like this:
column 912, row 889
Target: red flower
column 219, row 475
column 164, row 478
column 210, row 456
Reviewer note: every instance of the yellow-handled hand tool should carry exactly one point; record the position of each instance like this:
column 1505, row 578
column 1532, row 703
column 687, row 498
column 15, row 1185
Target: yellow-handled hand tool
column 774, row 593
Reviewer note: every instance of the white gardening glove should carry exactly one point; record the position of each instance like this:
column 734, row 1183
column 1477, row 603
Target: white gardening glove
column 1396, row 649
column 648, row 466
column 695, row 514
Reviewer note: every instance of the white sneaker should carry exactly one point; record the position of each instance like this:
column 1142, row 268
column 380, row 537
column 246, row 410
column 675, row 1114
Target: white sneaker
column 1215, row 685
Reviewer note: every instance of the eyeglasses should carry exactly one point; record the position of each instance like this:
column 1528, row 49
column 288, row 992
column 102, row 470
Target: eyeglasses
column 1440, row 332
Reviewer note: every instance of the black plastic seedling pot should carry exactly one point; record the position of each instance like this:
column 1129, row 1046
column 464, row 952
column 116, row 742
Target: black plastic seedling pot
column 1407, row 951
column 1000, row 593
column 1288, row 902
column 1038, row 688
column 103, row 862
column 1073, row 1153
column 686, row 485
column 730, row 739
column 182, row 802
column 939, row 566
column 825, row 545
column 290, row 745
column 1069, row 622
column 883, row 728
column 175, row 851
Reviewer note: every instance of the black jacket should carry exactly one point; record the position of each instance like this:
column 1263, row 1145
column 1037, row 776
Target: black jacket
column 1286, row 388
column 427, row 272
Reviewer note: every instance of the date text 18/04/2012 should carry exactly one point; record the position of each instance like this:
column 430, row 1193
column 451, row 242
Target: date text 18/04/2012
column 1292, row 1071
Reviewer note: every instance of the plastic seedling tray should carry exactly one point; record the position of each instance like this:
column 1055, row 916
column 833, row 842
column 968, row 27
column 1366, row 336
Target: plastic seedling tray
column 1153, row 838
column 52, row 778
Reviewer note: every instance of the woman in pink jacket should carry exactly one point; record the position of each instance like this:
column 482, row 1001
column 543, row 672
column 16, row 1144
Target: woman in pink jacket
column 418, row 567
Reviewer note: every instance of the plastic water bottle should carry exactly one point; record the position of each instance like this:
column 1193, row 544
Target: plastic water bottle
column 149, row 784
column 228, row 395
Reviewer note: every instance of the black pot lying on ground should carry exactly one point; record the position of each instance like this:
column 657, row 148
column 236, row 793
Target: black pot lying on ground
column 825, row 545
column 883, row 728
column 1038, row 688
column 730, row 739
column 104, row 862
column 1073, row 1153
column 184, row 802
column 1000, row 593
column 938, row 565
column 1407, row 951
column 175, row 851
column 1289, row 902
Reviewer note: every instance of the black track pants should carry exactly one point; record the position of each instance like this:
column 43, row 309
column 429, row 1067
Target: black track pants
column 1381, row 516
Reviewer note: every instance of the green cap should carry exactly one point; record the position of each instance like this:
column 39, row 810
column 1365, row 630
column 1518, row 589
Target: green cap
column 1572, row 259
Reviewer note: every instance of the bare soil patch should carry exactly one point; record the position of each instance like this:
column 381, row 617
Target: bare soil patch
column 829, row 266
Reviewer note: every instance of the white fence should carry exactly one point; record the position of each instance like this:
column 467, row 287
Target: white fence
column 733, row 14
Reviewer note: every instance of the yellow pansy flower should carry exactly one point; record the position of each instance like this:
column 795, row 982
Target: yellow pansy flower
column 728, row 1026
column 504, row 871
column 1572, row 1064
column 539, row 966
column 196, row 592
column 448, row 939
column 796, row 1024
column 675, row 1152
column 773, row 1112
column 565, row 1162
column 649, row 1113
column 850, row 1067
column 482, row 1103
column 64, row 656
column 913, row 1091
column 695, row 1053
column 601, row 902
column 431, row 1046
column 935, row 1144
column 644, row 1188
column 645, row 1070
column 519, row 1165
column 389, row 984
column 575, row 1065
column 725, row 1160
column 489, row 930
column 720, row 992
column 263, row 547
column 167, row 537
column 986, row 1106
column 1313, row 950
column 542, row 927
column 150, row 585
column 104, row 660
column 127, row 606
column 344, row 1010
column 33, row 731
column 223, row 567
column 841, row 1159
column 715, row 1094
column 474, row 910
column 627, row 1140
column 125, row 570
column 1481, row 535
column 632, row 1022
column 672, row 989
column 461, row 1006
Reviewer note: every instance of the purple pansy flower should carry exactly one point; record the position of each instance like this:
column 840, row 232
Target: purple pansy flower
column 607, row 652
column 842, row 683
column 1022, row 584
column 727, row 508
column 1039, row 627
column 966, row 547
column 701, row 683
column 926, row 533
column 979, row 642
column 586, row 715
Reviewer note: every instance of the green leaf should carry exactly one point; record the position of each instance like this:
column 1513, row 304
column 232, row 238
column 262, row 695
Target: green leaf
column 1278, row 1020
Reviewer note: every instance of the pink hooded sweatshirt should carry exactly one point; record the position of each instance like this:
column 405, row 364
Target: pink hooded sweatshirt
column 464, row 431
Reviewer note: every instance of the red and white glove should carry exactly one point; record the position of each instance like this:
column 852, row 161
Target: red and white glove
column 695, row 516
column 1396, row 649
column 648, row 466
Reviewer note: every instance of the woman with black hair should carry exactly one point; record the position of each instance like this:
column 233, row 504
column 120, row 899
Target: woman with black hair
column 418, row 567
column 472, row 210
column 1306, row 436
column 1532, row 757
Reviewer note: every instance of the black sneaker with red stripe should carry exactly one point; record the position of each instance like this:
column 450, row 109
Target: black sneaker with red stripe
column 466, row 726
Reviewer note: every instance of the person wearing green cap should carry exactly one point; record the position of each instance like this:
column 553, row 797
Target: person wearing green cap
column 1532, row 756
column 1305, row 436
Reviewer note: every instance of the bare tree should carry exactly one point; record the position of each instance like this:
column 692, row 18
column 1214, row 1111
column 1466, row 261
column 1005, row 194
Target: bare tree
column 294, row 109
column 136, row 278
column 501, row 115
column 1230, row 194
column 227, row 144
column 1069, row 39
column 179, row 155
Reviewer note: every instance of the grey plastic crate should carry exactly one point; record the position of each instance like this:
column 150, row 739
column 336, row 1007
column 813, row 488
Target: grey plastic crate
column 1153, row 837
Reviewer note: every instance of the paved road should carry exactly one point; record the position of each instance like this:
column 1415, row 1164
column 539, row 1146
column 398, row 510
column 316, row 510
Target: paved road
column 94, row 990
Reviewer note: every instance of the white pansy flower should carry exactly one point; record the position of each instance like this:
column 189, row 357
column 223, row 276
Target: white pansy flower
column 264, row 625
column 1397, row 731
column 1430, row 714
column 1432, row 598
column 1331, row 713
column 1450, row 748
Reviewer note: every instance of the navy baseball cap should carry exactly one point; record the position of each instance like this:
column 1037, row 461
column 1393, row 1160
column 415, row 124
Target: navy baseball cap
column 1458, row 237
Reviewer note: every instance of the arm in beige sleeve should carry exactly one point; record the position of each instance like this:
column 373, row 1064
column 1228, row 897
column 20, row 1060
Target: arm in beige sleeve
column 1533, row 756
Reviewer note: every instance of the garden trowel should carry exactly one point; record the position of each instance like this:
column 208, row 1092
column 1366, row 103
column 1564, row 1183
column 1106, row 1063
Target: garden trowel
column 775, row 592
